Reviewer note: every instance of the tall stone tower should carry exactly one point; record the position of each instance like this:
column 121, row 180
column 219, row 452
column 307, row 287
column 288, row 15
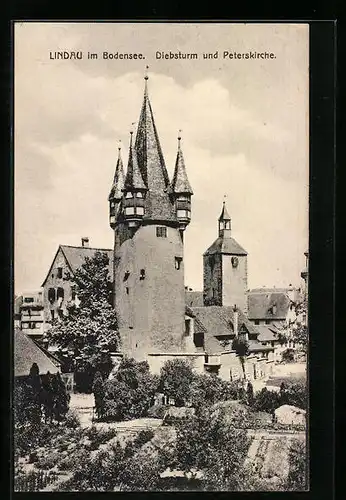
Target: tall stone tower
column 149, row 214
column 225, row 269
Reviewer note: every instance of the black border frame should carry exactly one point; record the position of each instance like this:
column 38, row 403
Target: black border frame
column 321, row 259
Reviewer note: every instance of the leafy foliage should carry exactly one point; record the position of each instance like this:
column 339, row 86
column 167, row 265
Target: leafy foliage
column 211, row 444
column 294, row 393
column 131, row 392
column 87, row 335
column 241, row 346
column 175, row 380
column 297, row 476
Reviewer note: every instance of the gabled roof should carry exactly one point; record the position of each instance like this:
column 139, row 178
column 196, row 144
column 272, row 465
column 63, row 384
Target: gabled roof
column 180, row 182
column 193, row 299
column 75, row 257
column 217, row 321
column 118, row 181
column 26, row 352
column 226, row 246
column 260, row 305
column 152, row 166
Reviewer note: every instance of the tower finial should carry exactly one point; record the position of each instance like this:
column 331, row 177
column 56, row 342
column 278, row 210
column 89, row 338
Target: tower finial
column 146, row 77
column 119, row 145
column 179, row 137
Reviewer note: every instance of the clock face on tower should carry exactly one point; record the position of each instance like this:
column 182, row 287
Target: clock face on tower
column 234, row 261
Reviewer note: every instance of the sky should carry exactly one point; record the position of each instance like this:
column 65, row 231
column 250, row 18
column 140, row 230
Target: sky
column 244, row 135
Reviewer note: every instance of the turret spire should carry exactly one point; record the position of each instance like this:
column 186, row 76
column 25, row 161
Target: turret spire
column 152, row 165
column 180, row 182
column 119, row 177
column 133, row 178
column 224, row 221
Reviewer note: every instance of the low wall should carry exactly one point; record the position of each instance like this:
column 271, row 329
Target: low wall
column 157, row 360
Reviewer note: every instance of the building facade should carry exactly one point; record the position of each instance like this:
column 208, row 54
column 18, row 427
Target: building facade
column 31, row 314
column 148, row 214
column 225, row 269
column 58, row 288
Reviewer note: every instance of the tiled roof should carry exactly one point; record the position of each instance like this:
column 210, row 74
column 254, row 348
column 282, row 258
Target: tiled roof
column 260, row 305
column 193, row 299
column 217, row 321
column 26, row 352
column 225, row 246
column 266, row 334
column 118, row 181
column 133, row 178
column 76, row 256
column 224, row 214
column 159, row 206
column 180, row 182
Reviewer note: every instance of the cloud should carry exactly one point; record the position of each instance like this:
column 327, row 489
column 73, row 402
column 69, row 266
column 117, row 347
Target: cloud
column 68, row 122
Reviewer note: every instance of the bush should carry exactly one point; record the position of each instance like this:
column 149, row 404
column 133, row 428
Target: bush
column 157, row 411
column 72, row 419
column 175, row 380
column 143, row 437
column 131, row 392
column 297, row 476
column 49, row 461
column 266, row 401
column 288, row 355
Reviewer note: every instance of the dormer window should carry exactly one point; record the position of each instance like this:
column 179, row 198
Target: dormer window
column 129, row 195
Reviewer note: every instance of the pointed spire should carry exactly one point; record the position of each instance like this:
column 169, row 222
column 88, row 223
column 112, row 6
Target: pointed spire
column 224, row 214
column 119, row 178
column 152, row 164
column 180, row 182
column 133, row 178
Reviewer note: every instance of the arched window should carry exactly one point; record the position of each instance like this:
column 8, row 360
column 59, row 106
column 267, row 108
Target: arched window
column 60, row 293
column 51, row 295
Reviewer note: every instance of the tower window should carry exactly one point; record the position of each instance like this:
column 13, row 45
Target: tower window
column 129, row 210
column 59, row 275
column 60, row 293
column 51, row 294
column 127, row 290
column 52, row 314
column 257, row 322
column 140, row 210
column 178, row 261
column 161, row 232
column 129, row 195
column 183, row 213
column 142, row 274
column 139, row 195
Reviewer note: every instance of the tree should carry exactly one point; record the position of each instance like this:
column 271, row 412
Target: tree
column 86, row 336
column 297, row 476
column 300, row 332
column 60, row 397
column 131, row 392
column 266, row 400
column 175, row 380
column 241, row 346
column 211, row 444
column 99, row 394
column 249, row 393
column 294, row 393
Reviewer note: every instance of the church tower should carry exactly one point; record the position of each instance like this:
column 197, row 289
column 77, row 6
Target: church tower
column 225, row 269
column 149, row 214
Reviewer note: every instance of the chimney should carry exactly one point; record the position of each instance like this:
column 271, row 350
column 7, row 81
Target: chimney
column 235, row 320
column 85, row 241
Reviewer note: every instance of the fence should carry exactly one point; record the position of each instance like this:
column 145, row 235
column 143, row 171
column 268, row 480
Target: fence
column 34, row 481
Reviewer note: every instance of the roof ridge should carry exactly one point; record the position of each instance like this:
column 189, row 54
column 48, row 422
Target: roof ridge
column 87, row 248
